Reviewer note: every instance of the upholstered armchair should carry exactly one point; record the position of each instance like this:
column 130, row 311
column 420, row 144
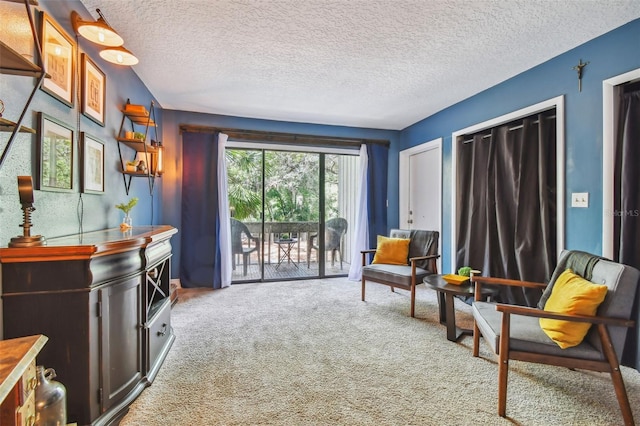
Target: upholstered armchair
column 402, row 264
column 581, row 321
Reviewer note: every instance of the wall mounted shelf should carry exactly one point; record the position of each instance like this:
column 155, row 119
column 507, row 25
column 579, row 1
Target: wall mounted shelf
column 132, row 116
column 12, row 63
column 9, row 126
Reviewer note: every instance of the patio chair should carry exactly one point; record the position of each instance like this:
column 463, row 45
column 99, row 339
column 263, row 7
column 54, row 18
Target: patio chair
column 588, row 336
column 416, row 261
column 335, row 230
column 241, row 243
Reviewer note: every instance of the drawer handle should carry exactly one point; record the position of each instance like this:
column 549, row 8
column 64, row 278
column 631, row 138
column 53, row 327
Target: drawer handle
column 33, row 382
column 163, row 331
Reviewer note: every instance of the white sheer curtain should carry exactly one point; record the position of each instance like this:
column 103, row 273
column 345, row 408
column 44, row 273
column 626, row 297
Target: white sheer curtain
column 226, row 266
column 361, row 229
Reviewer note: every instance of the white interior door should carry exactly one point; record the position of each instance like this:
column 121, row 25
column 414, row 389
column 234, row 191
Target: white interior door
column 421, row 187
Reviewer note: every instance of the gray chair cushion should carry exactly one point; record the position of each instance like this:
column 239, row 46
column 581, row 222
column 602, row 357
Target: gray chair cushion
column 398, row 274
column 423, row 243
column 580, row 262
column 622, row 281
column 526, row 334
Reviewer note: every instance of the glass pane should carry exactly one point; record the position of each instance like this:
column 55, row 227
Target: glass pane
column 244, row 171
column 288, row 244
column 291, row 213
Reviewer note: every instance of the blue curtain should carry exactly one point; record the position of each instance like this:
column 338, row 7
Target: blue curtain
column 200, row 261
column 377, row 189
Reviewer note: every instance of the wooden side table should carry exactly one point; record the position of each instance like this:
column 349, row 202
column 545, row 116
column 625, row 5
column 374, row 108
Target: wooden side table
column 446, row 296
column 18, row 379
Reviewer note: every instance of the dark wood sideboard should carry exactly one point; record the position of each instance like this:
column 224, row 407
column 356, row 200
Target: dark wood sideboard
column 103, row 300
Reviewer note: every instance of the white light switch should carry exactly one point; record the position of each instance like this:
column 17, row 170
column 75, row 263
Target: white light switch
column 580, row 199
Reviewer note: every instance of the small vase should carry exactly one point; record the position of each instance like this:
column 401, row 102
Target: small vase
column 127, row 223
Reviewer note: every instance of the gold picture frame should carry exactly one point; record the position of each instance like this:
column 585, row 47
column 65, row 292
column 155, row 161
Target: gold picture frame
column 55, row 155
column 94, row 83
column 92, row 164
column 58, row 56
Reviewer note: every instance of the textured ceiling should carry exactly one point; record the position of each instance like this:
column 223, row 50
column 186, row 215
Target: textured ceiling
column 366, row 63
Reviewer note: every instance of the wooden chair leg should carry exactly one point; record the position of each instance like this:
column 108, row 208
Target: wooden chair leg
column 413, row 299
column 476, row 331
column 616, row 375
column 363, row 289
column 476, row 339
column 503, row 364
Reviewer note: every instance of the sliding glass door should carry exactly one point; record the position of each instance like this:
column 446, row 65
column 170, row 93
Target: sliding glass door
column 290, row 213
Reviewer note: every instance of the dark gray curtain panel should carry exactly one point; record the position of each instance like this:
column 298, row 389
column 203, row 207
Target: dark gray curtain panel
column 506, row 203
column 626, row 215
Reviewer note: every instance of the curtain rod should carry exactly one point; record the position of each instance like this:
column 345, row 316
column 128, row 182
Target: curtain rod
column 510, row 129
column 292, row 138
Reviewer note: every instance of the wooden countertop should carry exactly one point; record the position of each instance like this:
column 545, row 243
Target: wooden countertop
column 16, row 355
column 87, row 245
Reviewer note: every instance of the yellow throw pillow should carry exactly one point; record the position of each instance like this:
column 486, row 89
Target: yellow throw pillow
column 392, row 251
column 571, row 294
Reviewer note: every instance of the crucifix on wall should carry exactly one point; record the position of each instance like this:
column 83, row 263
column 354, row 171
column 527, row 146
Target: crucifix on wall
column 579, row 69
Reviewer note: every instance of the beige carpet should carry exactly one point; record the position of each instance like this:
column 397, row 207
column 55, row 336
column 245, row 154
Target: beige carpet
column 311, row 353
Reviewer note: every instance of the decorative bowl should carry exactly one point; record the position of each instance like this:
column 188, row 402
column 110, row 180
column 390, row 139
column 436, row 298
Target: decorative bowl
column 455, row 279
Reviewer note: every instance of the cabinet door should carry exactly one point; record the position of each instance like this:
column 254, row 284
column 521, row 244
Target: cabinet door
column 121, row 337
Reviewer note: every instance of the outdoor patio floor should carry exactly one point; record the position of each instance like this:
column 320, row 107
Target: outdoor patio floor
column 279, row 267
column 286, row 270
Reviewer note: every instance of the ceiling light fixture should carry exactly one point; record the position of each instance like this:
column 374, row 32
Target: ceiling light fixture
column 100, row 32
column 118, row 55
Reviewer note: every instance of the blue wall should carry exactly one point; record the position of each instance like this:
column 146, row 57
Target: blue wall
column 58, row 213
column 172, row 140
column 612, row 54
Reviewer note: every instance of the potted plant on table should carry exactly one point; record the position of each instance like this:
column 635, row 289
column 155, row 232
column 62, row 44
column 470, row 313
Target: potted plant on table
column 127, row 222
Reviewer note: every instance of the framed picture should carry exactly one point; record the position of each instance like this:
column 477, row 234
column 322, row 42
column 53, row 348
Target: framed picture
column 58, row 53
column 92, row 164
column 55, row 154
column 93, row 90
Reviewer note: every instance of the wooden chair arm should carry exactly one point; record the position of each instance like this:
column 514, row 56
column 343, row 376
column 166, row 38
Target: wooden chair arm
column 509, row 282
column 535, row 312
column 431, row 256
column 364, row 255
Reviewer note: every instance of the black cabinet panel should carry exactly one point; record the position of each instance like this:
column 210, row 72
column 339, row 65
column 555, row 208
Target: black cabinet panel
column 121, row 347
column 104, row 305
